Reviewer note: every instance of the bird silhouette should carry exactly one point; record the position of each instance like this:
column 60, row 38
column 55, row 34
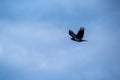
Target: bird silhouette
column 77, row 37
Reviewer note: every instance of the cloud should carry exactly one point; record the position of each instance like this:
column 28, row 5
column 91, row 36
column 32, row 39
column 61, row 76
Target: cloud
column 33, row 46
column 62, row 11
column 30, row 47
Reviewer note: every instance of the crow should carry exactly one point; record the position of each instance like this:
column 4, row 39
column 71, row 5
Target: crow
column 77, row 37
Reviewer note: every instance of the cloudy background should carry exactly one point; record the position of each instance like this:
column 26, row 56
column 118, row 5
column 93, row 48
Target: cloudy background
column 35, row 45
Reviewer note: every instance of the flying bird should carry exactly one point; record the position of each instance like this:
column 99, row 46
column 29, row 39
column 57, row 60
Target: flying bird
column 79, row 36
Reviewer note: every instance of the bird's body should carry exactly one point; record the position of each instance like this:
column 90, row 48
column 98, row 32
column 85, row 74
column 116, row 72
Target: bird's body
column 77, row 37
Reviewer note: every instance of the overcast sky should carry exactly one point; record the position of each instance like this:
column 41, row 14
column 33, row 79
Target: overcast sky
column 35, row 44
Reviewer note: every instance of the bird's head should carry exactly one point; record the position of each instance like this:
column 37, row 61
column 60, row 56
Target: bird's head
column 73, row 39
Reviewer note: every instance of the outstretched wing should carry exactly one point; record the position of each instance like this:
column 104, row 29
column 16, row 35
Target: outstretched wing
column 80, row 33
column 71, row 33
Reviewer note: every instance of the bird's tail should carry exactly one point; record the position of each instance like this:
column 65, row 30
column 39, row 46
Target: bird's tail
column 85, row 40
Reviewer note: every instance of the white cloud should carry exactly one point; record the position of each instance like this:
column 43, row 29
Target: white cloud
column 1, row 50
column 33, row 46
column 30, row 47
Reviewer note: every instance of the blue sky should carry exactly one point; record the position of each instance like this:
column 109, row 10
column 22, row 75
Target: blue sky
column 35, row 45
